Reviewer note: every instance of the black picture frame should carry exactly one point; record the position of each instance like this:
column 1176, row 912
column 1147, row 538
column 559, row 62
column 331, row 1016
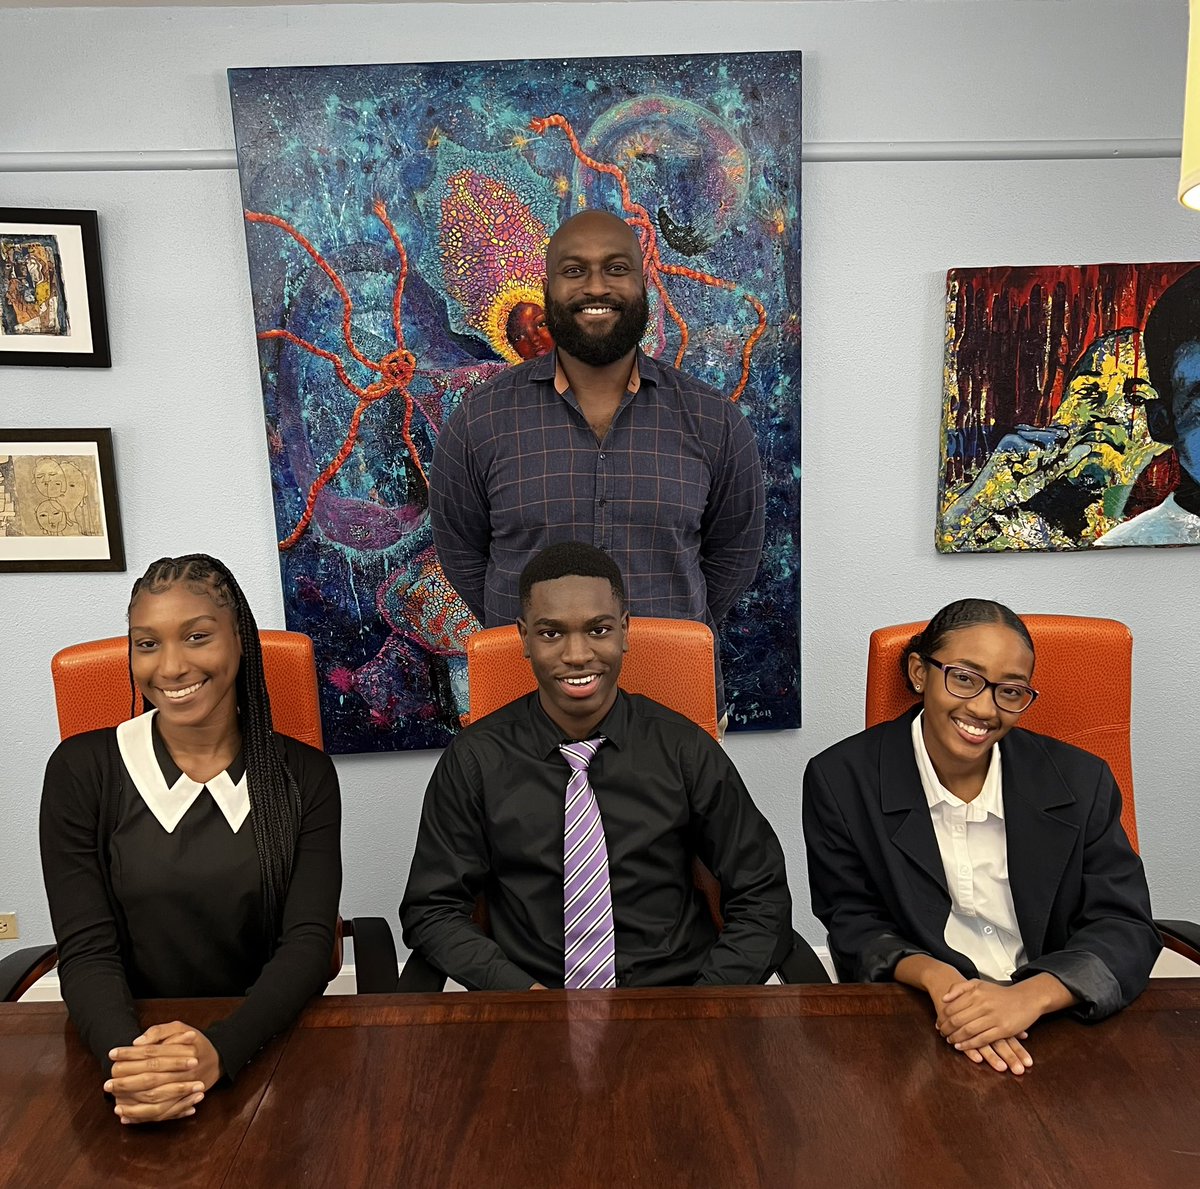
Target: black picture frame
column 64, row 480
column 78, row 286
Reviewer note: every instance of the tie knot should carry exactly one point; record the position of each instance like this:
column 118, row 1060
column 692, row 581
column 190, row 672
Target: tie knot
column 581, row 753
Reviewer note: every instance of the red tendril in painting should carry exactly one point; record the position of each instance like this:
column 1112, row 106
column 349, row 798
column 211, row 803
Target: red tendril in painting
column 638, row 217
column 395, row 370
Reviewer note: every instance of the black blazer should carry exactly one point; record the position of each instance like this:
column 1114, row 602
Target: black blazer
column 1078, row 888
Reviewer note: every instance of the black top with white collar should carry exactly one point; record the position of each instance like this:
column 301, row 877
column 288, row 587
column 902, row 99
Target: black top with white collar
column 171, row 834
column 155, row 892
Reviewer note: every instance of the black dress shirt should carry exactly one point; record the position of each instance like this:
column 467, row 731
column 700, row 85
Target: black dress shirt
column 492, row 823
column 674, row 492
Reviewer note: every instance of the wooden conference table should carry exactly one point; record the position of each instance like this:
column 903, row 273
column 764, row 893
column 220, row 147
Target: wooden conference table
column 736, row 1087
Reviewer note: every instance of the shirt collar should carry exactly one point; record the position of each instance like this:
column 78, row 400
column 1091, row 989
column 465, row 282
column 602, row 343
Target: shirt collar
column 990, row 799
column 168, row 792
column 561, row 383
column 547, row 735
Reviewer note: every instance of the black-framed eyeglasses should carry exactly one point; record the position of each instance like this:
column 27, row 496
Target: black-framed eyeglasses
column 1011, row 696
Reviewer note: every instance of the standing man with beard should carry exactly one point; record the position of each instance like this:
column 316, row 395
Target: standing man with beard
column 598, row 442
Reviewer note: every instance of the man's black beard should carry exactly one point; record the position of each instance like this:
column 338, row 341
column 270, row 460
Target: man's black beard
column 593, row 349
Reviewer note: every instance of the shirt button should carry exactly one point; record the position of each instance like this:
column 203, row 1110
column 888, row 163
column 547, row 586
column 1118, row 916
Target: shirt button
column 988, row 930
column 603, row 502
column 603, row 456
column 964, row 870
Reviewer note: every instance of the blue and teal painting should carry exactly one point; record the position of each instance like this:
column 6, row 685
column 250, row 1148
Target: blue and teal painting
column 396, row 223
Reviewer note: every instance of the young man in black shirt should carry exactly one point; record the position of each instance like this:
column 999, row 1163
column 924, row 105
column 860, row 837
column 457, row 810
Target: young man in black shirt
column 505, row 816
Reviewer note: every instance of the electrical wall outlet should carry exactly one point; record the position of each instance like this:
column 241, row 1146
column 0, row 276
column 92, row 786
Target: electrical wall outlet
column 8, row 926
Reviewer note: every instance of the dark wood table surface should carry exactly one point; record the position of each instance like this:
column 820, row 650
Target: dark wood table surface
column 777, row 1086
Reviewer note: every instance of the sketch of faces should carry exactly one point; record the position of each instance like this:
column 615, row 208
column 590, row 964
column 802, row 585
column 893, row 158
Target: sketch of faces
column 48, row 477
column 51, row 517
column 65, row 488
column 49, row 496
column 74, row 489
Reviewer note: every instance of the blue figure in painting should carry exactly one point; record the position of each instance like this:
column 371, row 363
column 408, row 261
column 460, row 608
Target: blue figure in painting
column 1172, row 338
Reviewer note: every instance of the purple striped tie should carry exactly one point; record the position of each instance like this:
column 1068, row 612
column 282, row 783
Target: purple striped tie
column 590, row 955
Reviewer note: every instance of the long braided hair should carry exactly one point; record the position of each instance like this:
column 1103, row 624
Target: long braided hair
column 274, row 794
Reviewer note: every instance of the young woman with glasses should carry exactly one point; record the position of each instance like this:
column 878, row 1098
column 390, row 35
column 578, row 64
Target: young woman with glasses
column 983, row 864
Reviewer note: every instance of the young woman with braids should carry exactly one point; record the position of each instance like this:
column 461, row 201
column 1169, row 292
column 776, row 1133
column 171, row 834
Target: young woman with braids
column 981, row 863
column 190, row 851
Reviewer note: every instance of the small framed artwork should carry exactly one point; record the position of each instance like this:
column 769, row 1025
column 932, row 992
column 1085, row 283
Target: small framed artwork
column 51, row 289
column 58, row 501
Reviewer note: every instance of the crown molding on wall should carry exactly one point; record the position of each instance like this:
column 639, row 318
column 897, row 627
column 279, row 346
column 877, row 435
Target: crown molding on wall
column 120, row 160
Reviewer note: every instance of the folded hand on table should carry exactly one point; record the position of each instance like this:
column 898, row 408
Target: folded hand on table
column 942, row 983
column 163, row 1074
column 1007, row 1053
column 975, row 1013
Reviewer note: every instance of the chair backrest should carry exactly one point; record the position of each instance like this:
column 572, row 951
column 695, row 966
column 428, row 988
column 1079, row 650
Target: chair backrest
column 1083, row 674
column 91, row 691
column 91, row 685
column 669, row 660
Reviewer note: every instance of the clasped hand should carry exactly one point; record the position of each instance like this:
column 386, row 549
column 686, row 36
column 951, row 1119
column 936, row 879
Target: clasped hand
column 976, row 1016
column 163, row 1074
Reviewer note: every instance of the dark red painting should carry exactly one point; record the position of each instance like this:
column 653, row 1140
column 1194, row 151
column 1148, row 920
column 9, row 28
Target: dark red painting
column 1054, row 433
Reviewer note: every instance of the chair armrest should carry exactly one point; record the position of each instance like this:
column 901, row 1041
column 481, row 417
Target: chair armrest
column 802, row 964
column 375, row 968
column 420, row 976
column 841, row 972
column 1183, row 937
column 336, row 957
column 19, row 971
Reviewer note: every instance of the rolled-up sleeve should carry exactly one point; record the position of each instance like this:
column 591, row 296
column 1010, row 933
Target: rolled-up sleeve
column 1112, row 944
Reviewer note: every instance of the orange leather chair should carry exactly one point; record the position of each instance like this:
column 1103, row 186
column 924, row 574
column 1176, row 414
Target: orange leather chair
column 91, row 685
column 1084, row 676
column 91, row 691
column 669, row 660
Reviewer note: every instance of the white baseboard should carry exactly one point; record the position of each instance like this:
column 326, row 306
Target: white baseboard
column 46, row 990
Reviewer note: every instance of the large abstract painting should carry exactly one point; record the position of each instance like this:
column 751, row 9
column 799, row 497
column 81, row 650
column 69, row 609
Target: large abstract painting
column 1071, row 408
column 396, row 222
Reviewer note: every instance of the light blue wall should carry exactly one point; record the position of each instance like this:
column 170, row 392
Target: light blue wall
column 184, row 402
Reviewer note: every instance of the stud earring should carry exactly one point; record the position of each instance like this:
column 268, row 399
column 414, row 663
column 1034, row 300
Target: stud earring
column 917, row 688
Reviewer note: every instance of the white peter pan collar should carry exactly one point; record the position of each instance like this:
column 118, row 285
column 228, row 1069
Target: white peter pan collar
column 135, row 739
